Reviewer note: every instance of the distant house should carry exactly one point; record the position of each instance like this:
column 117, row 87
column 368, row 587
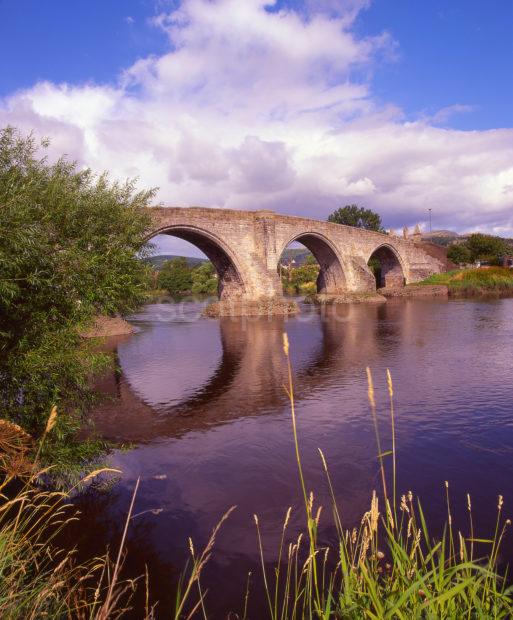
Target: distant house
column 507, row 261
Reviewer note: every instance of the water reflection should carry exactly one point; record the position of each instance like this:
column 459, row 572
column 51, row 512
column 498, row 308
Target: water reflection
column 167, row 386
column 205, row 404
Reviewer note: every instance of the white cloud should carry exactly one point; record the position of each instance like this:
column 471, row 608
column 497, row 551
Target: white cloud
column 254, row 107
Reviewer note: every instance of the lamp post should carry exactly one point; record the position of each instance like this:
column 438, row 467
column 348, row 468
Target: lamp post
column 429, row 220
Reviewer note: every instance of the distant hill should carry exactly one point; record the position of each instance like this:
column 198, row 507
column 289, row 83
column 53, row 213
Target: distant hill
column 440, row 237
column 439, row 233
column 158, row 260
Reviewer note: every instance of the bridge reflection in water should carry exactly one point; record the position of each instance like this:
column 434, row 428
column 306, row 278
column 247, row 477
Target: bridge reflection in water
column 159, row 393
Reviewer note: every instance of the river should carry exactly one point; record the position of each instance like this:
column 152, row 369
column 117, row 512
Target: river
column 202, row 403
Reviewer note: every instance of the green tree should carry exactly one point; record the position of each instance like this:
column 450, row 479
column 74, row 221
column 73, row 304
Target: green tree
column 459, row 253
column 204, row 280
column 175, row 276
column 353, row 215
column 70, row 244
column 487, row 247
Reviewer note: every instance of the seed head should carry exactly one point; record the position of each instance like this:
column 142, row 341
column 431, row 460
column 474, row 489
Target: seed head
column 389, row 383
column 285, row 343
column 370, row 384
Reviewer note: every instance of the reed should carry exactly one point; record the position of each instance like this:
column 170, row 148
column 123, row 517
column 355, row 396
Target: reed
column 390, row 565
column 38, row 577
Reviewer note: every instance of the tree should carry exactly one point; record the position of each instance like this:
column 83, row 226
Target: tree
column 70, row 243
column 353, row 215
column 204, row 279
column 459, row 253
column 487, row 247
column 175, row 276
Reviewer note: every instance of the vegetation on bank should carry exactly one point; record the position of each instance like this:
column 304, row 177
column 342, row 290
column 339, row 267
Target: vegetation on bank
column 490, row 280
column 39, row 578
column 70, row 247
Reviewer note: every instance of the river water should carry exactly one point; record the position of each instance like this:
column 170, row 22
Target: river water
column 202, row 403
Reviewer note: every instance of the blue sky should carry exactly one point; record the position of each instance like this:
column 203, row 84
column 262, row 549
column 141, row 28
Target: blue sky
column 399, row 105
column 447, row 50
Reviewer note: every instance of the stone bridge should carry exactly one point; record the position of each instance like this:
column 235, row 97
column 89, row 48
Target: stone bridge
column 245, row 248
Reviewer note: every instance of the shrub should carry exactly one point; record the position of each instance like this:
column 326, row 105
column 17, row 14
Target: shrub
column 70, row 243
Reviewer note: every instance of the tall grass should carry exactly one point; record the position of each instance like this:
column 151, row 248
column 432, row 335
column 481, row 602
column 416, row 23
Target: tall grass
column 390, row 565
column 38, row 577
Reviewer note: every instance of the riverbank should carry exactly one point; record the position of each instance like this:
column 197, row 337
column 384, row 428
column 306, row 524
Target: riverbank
column 473, row 282
column 105, row 326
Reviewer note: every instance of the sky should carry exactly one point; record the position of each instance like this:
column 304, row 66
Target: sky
column 296, row 106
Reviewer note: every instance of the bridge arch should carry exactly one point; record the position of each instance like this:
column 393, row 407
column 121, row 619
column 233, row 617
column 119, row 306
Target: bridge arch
column 331, row 279
column 388, row 268
column 232, row 284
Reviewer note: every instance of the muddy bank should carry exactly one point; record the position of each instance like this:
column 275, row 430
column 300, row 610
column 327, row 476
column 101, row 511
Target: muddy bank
column 261, row 307
column 415, row 290
column 321, row 299
column 105, row 326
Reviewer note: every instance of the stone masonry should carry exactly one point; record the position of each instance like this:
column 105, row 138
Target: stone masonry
column 246, row 246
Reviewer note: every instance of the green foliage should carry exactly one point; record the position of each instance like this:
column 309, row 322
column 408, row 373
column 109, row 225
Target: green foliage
column 487, row 247
column 204, row 279
column 353, row 215
column 70, row 243
column 459, row 253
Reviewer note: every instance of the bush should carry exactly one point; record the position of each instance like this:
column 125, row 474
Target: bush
column 70, row 243
column 459, row 254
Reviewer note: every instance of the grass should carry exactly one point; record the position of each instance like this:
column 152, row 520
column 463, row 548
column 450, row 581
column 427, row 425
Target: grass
column 390, row 565
column 38, row 578
column 498, row 280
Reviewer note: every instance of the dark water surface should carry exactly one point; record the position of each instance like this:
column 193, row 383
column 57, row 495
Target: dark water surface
column 203, row 402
